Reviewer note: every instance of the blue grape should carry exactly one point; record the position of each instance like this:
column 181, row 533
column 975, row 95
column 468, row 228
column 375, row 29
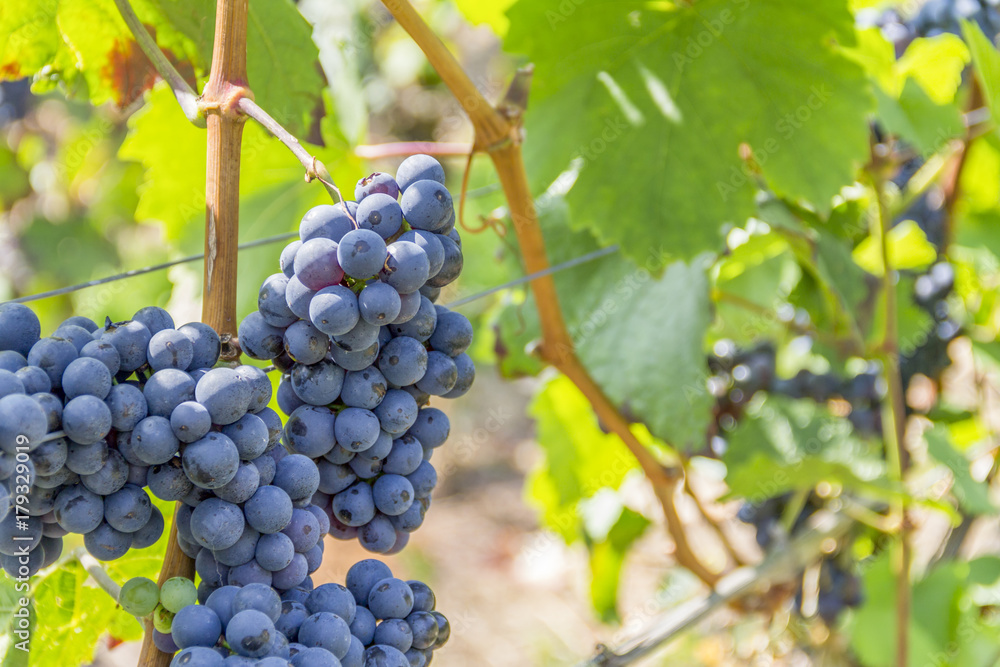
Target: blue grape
column 297, row 476
column 418, row 167
column 86, row 419
column 250, row 435
column 137, row 474
column 411, row 519
column 74, row 334
column 423, row 479
column 381, row 214
column 84, row 459
column 314, row 557
column 466, row 375
column 34, row 380
column 441, row 375
column 225, row 394
column 406, row 267
column 403, row 361
column 79, row 320
column 354, row 507
column 258, row 339
column 131, row 339
column 211, row 462
column 452, row 333
column 164, row 642
column 378, row 535
column 339, row 456
column 198, row 656
column 52, row 406
column 288, row 400
column 19, row 328
column 384, row 656
column 12, row 361
column 355, row 655
column 316, row 264
column 423, row 596
column 196, row 625
column 153, row 441
column 260, row 387
column 373, row 184
column 326, row 630
column 334, row 478
column 303, row 530
column 409, row 306
column 321, row 516
column 397, row 633
column 150, row 533
column 299, row 297
column 422, row 325
column 243, row 485
column 354, row 361
column 216, row 524
column 167, row 389
column 242, row 551
column 221, row 602
column 334, row 310
column 274, row 425
column 293, row 613
column 249, row 573
column 128, row 509
column 272, row 302
column 190, row 421
column 106, row 544
column 365, row 468
column 104, row 352
column 78, row 510
column 314, row 656
column 291, row 575
column 361, row 253
column 361, row 337
column 356, row 429
column 85, row 376
column 154, row 319
column 127, row 405
column 259, row 598
column 207, row 344
column 310, row 431
column 250, row 633
column 305, row 343
column 52, row 355
column 397, row 412
column 390, row 598
column 170, row 348
column 211, row 570
column 393, row 494
column 432, row 246
column 406, row 455
column 10, row 384
column 274, row 551
column 424, row 628
column 287, row 261
column 265, row 467
column 363, row 389
column 379, row 303
column 50, row 456
column 363, row 626
column 453, row 263
column 269, row 510
column 23, row 423
column 325, row 221
column 319, row 383
column 427, row 205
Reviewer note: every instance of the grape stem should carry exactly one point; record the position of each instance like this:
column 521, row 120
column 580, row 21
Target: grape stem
column 780, row 565
column 97, row 573
column 315, row 170
column 498, row 132
column 187, row 98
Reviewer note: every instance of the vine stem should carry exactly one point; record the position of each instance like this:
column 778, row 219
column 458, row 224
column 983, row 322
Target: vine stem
column 407, row 148
column 498, row 133
column 98, row 573
column 187, row 98
column 894, row 428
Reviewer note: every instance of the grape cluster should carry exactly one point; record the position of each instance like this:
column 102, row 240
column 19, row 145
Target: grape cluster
column 351, row 323
column 376, row 620
column 91, row 417
column 840, row 588
column 937, row 17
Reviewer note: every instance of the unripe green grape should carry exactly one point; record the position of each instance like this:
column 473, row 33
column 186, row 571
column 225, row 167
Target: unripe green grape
column 177, row 593
column 163, row 619
column 139, row 596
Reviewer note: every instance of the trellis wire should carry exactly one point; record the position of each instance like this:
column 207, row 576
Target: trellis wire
column 568, row 264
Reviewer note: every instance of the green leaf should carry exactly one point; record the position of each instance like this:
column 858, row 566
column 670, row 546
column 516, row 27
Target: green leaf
column 986, row 63
column 656, row 99
column 936, row 64
column 580, row 459
column 918, row 119
column 491, row 12
column 908, row 249
column 607, row 558
column 972, row 496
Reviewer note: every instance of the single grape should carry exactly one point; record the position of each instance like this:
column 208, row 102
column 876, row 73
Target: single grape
column 250, row 633
column 177, row 593
column 131, row 339
column 453, row 263
column 297, row 476
column 424, row 479
column 310, row 431
column 354, row 507
column 225, row 394
column 418, row 167
column 334, row 310
column 170, row 348
column 303, row 530
column 212, row 461
column 52, row 355
column 84, row 376
column 421, row 326
column 127, row 405
column 327, row 222
column 319, row 383
column 299, row 298
column 207, row 344
column 242, row 486
column 250, row 435
column 403, row 361
column 190, row 421
column 269, row 510
column 287, row 261
column 378, row 655
column 196, row 625
column 153, row 441
column 19, row 328
column 379, row 303
column 441, row 375
column 272, row 302
column 361, row 253
column 217, row 524
column 378, row 535
column 274, row 551
column 397, row 412
column 139, row 596
column 375, row 183
column 406, row 267
column 356, row 429
column 466, row 370
column 23, row 423
column 104, row 352
column 258, row 339
column 155, row 319
column 128, row 509
column 106, row 544
column 33, row 379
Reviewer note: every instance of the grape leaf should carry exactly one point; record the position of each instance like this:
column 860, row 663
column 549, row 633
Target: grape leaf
column 655, row 100
column 986, row 63
column 490, row 12
column 607, row 557
column 916, row 118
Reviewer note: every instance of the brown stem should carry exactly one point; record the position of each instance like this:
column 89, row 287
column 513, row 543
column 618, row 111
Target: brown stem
column 498, row 133
column 406, row 148
column 227, row 84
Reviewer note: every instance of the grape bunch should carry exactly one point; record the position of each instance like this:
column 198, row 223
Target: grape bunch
column 937, row 17
column 351, row 323
column 91, row 417
column 840, row 588
column 376, row 620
